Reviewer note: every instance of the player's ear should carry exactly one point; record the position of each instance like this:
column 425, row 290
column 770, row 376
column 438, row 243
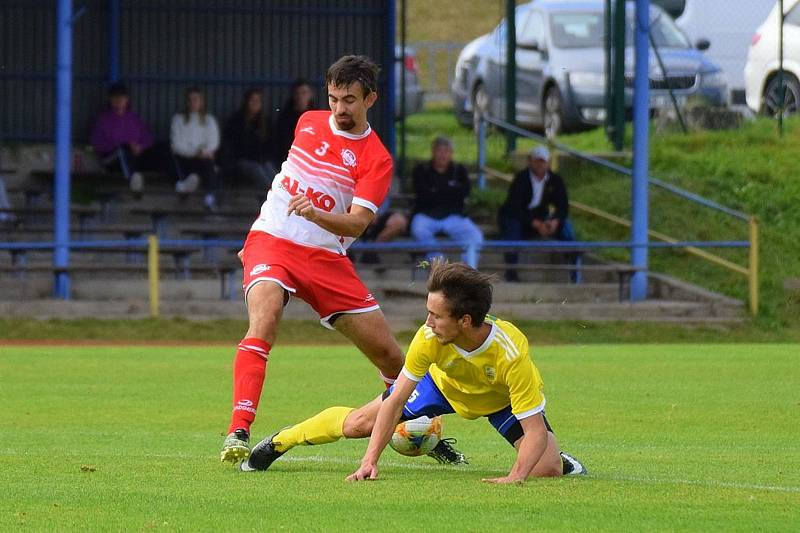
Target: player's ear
column 465, row 321
column 369, row 100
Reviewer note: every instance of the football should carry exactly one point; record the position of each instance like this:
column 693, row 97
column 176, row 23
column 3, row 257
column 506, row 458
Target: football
column 417, row 437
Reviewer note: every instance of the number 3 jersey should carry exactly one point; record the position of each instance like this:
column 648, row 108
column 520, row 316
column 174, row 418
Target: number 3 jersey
column 334, row 169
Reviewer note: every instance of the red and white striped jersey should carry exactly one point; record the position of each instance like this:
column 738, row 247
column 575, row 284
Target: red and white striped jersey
column 333, row 168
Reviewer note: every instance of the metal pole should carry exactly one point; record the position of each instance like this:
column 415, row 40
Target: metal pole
column 641, row 115
column 403, row 14
column 482, row 153
column 391, row 61
column 752, row 267
column 113, row 41
column 61, row 285
column 153, row 274
column 607, row 36
column 618, row 76
column 511, row 73
column 672, row 98
column 781, row 79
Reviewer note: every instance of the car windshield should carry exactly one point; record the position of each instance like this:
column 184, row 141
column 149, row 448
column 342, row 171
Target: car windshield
column 585, row 29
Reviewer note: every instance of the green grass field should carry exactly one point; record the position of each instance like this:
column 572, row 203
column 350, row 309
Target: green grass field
column 676, row 437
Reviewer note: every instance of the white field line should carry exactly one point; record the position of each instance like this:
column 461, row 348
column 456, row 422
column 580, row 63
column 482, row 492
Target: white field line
column 489, row 471
column 407, row 466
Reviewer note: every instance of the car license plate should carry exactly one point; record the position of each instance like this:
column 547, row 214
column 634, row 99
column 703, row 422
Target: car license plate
column 662, row 101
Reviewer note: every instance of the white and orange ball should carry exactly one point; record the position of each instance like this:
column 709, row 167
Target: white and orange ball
column 417, row 437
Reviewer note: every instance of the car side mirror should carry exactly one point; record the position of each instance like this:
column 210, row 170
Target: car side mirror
column 702, row 44
column 529, row 44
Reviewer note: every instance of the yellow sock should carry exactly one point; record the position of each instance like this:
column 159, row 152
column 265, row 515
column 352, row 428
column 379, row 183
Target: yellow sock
column 321, row 428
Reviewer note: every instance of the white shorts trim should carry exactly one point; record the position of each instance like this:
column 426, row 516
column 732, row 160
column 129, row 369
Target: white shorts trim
column 535, row 411
column 325, row 320
column 255, row 281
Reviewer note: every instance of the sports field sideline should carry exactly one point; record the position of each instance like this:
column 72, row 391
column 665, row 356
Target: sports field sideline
column 675, row 437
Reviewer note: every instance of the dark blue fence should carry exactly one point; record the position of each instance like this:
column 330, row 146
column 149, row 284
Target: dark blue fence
column 162, row 46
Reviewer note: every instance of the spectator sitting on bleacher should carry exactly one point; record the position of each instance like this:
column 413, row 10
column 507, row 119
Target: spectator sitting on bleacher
column 441, row 187
column 121, row 140
column 244, row 153
column 194, row 138
column 387, row 225
column 301, row 99
column 536, row 207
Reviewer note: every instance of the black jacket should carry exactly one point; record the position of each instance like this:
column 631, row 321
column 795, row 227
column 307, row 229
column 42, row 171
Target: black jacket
column 242, row 140
column 554, row 204
column 440, row 195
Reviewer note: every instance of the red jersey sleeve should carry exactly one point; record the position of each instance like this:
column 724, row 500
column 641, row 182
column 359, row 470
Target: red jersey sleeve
column 374, row 177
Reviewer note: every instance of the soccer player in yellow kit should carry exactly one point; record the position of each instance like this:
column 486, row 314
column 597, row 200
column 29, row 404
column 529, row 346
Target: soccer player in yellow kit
column 461, row 361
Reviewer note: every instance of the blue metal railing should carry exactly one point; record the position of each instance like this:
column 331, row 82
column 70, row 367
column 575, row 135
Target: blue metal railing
column 692, row 197
column 692, row 246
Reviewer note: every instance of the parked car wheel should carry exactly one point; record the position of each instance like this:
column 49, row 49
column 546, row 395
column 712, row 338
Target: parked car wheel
column 772, row 96
column 553, row 113
column 480, row 104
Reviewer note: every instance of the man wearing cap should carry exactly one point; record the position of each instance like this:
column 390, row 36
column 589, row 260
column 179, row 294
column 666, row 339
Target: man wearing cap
column 536, row 206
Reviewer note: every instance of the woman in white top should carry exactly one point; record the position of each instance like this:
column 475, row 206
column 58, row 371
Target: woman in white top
column 194, row 138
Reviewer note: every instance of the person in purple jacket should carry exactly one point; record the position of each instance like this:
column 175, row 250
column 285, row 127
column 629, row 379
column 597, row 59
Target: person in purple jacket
column 121, row 139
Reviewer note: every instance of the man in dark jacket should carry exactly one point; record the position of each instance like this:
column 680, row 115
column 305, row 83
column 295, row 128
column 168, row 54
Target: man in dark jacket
column 536, row 206
column 441, row 187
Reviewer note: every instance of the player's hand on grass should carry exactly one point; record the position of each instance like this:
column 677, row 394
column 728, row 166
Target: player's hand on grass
column 364, row 473
column 507, row 480
column 300, row 205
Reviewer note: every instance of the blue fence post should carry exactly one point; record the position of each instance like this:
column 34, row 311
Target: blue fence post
column 61, row 286
column 113, row 41
column 482, row 153
column 641, row 117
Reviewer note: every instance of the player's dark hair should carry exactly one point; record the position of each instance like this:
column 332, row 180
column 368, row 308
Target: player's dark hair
column 467, row 291
column 350, row 69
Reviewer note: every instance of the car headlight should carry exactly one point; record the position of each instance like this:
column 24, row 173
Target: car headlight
column 587, row 80
column 713, row 79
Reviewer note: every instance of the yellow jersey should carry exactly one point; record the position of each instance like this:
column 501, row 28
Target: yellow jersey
column 497, row 374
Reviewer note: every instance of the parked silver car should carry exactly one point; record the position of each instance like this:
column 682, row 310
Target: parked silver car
column 414, row 95
column 560, row 67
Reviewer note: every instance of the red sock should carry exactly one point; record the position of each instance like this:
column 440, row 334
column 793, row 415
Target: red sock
column 249, row 369
column 387, row 380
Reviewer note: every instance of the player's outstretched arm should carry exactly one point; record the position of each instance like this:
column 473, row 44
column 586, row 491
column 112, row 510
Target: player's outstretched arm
column 388, row 415
column 531, row 448
column 351, row 224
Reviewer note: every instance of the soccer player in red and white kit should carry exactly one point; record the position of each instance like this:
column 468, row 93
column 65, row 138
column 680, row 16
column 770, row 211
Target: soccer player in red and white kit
column 336, row 175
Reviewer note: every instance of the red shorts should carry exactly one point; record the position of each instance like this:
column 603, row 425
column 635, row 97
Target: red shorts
column 323, row 279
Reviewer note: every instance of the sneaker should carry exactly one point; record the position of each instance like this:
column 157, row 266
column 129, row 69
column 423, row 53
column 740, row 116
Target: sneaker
column 136, row 183
column 446, row 454
column 572, row 467
column 262, row 456
column 210, row 203
column 188, row 184
column 235, row 448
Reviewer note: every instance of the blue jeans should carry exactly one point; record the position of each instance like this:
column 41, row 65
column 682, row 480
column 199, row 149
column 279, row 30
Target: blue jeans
column 514, row 229
column 457, row 228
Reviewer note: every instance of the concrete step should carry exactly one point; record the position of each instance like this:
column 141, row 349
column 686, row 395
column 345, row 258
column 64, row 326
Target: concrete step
column 533, row 293
column 401, row 314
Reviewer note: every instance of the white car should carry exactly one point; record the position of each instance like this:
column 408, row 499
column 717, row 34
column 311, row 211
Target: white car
column 761, row 73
